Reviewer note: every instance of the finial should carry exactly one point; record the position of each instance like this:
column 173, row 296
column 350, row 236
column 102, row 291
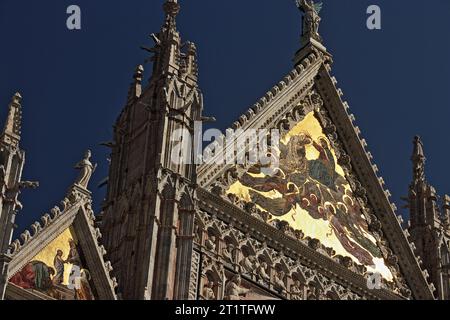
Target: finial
column 138, row 74
column 11, row 132
column 418, row 159
column 171, row 8
column 17, row 98
column 136, row 87
column 311, row 20
column 418, row 153
column 191, row 48
column 190, row 60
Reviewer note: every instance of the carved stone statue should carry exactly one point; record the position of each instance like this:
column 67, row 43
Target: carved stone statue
column 311, row 19
column 227, row 253
column 261, row 271
column 86, row 169
column 208, row 291
column 315, row 293
column 211, row 243
column 312, row 293
column 322, row 295
column 279, row 281
column 248, row 263
column 197, row 233
column 297, row 291
column 233, row 289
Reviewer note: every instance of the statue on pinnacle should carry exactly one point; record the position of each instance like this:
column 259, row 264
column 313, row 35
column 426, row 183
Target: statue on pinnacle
column 311, row 19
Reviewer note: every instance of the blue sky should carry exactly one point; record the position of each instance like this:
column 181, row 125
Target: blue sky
column 74, row 83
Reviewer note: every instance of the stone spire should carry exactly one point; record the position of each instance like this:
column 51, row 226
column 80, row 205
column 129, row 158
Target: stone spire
column 422, row 196
column 428, row 220
column 12, row 160
column 171, row 9
column 418, row 159
column 166, row 59
column 150, row 191
column 11, row 132
column 136, row 87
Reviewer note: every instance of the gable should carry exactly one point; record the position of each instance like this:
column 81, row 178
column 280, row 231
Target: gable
column 311, row 193
column 48, row 255
column 373, row 237
column 52, row 271
column 62, row 260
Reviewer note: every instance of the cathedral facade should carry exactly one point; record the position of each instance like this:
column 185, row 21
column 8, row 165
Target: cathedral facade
column 318, row 226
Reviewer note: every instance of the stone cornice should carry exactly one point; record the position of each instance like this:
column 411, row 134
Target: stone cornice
column 14, row 292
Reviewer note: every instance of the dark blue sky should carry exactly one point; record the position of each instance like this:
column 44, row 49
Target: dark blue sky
column 75, row 83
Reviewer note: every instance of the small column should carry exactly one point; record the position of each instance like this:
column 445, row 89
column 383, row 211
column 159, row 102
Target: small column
column 446, row 212
column 4, row 262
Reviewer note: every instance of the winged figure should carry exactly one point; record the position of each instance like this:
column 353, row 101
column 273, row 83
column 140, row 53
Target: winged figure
column 311, row 18
column 302, row 4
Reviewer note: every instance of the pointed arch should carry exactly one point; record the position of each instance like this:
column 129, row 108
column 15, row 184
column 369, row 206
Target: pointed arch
column 167, row 188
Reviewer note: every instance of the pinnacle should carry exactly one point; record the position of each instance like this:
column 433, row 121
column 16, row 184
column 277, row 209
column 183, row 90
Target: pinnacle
column 17, row 98
column 171, row 8
column 418, row 148
column 139, row 72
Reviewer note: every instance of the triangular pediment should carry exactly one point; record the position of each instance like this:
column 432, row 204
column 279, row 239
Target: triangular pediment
column 326, row 191
column 61, row 258
column 312, row 194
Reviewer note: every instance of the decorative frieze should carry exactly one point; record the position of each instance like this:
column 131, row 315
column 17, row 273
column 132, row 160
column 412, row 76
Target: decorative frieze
column 266, row 271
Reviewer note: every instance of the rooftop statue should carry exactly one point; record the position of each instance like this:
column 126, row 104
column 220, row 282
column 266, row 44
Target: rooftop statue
column 311, row 19
column 86, row 169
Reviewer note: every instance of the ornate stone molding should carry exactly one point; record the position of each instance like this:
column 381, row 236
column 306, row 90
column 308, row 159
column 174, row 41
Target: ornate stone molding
column 257, row 235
